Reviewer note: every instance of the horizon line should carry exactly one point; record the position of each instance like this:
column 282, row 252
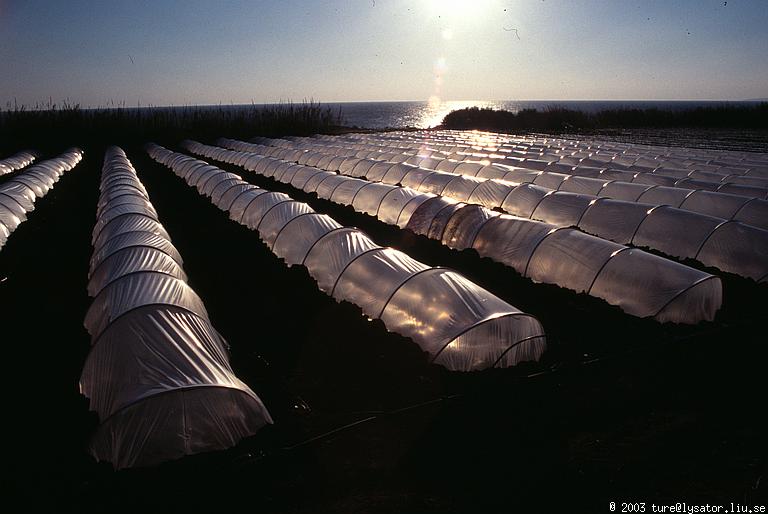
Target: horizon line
column 70, row 103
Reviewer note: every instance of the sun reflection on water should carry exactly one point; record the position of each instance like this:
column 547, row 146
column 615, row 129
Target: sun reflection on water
column 437, row 109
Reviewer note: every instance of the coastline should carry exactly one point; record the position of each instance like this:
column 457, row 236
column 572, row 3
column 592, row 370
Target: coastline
column 54, row 127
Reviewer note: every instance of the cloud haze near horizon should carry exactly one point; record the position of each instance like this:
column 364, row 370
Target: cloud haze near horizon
column 195, row 52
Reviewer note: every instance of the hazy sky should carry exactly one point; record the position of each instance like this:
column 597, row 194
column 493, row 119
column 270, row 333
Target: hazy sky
column 192, row 51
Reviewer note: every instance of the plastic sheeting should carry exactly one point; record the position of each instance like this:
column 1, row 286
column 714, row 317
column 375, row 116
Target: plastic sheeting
column 18, row 194
column 158, row 373
column 591, row 156
column 740, row 200
column 132, row 260
column 192, row 420
column 566, row 200
column 658, row 288
column 457, row 323
column 16, row 161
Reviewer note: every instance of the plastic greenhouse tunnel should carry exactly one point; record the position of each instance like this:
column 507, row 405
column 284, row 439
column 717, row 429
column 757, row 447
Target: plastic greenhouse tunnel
column 16, row 161
column 728, row 245
column 158, row 373
column 19, row 193
column 457, row 323
column 640, row 283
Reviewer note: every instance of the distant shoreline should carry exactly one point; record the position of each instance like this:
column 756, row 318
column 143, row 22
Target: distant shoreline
column 739, row 125
column 47, row 104
column 734, row 127
column 753, row 116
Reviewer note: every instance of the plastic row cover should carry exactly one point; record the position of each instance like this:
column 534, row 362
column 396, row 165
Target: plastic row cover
column 648, row 171
column 741, row 168
column 727, row 245
column 730, row 246
column 737, row 204
column 640, row 283
column 728, row 179
column 531, row 144
column 642, row 157
column 16, row 162
column 604, row 184
column 695, row 194
column 158, row 373
column 756, row 188
column 460, row 325
column 733, row 179
column 18, row 194
column 719, row 165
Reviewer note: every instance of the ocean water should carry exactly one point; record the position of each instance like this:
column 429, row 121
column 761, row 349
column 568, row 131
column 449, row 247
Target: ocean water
column 429, row 114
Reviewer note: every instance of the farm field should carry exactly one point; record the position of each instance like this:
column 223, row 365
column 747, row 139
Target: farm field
column 619, row 407
column 424, row 257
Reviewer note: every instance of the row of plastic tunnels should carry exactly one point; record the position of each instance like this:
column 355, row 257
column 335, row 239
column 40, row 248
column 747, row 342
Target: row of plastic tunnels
column 599, row 218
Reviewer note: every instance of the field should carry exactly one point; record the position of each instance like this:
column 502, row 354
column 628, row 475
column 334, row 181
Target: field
column 620, row 409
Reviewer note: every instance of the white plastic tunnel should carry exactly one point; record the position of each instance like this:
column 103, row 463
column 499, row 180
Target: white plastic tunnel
column 158, row 373
column 728, row 245
column 738, row 173
column 740, row 167
column 728, row 206
column 457, row 323
column 602, row 183
column 19, row 193
column 719, row 165
column 16, row 161
column 640, row 283
column 643, row 170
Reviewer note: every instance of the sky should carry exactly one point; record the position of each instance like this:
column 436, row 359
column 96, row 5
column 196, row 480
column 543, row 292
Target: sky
column 178, row 52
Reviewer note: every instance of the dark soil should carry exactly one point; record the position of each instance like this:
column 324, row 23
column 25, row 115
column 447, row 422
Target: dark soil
column 619, row 410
